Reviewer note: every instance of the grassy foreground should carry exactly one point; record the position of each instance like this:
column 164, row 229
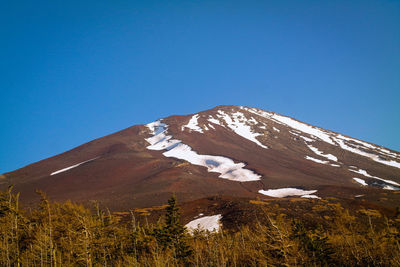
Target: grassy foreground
column 68, row 234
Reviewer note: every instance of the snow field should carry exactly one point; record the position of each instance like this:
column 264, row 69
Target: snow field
column 236, row 122
column 320, row 153
column 286, row 192
column 360, row 181
column 319, row 133
column 212, row 120
column 341, row 141
column 176, row 149
column 193, row 124
column 334, row 139
column 317, row 160
column 310, row 196
column 366, row 174
column 208, row 223
column 321, row 161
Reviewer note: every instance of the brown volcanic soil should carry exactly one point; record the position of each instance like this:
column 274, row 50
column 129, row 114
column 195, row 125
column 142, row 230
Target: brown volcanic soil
column 125, row 175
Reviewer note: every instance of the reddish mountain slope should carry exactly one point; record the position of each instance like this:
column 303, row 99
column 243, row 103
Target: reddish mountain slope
column 229, row 150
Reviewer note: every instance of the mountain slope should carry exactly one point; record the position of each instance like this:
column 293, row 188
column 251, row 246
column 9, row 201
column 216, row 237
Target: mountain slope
column 229, row 150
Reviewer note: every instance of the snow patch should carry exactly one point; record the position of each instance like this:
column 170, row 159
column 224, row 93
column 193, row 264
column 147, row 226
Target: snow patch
column 276, row 129
column 71, row 167
column 193, row 124
column 366, row 174
column 307, row 139
column 304, row 128
column 320, row 153
column 252, row 120
column 310, row 196
column 340, row 139
column 321, row 161
column 360, row 181
column 314, row 131
column 371, row 146
column 389, row 187
column 236, row 122
column 317, row 160
column 285, row 192
column 215, row 121
column 208, row 223
column 357, row 146
column 176, row 149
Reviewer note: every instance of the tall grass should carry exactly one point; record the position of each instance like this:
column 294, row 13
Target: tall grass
column 68, row 234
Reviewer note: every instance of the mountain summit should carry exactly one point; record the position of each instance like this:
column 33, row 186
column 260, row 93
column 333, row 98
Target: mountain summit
column 231, row 151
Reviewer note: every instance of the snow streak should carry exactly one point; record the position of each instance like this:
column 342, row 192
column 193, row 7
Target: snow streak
column 176, row 149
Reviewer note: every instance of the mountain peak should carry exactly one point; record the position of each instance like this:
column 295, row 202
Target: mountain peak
column 229, row 150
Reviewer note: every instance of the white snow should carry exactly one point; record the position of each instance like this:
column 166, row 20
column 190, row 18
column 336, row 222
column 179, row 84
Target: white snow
column 389, row 153
column 317, row 160
column 317, row 132
column 262, row 127
column 71, row 167
column 386, row 162
column 307, row 139
column 208, row 223
column 321, row 161
column 276, row 129
column 176, row 149
column 210, row 125
column 389, row 187
column 320, row 153
column 225, row 166
column 159, row 140
column 366, row 174
column 310, row 196
column 285, row 192
column 236, row 122
column 304, row 128
column 215, row 121
column 193, row 124
column 296, row 134
column 359, row 196
column 341, row 140
column 357, row 146
column 253, row 121
column 371, row 146
column 360, row 181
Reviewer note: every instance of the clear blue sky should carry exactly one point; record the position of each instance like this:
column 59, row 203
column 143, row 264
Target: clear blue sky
column 72, row 71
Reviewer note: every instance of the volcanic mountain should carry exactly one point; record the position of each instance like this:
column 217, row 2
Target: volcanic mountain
column 233, row 151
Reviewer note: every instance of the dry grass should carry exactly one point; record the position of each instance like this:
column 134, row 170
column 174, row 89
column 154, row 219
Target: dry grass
column 68, row 234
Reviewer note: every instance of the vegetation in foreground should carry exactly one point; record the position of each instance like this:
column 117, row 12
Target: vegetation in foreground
column 68, row 234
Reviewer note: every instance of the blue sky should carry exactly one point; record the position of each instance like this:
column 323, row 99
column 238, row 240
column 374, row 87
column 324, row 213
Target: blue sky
column 72, row 71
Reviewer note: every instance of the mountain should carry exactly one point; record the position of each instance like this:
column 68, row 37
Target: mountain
column 225, row 152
